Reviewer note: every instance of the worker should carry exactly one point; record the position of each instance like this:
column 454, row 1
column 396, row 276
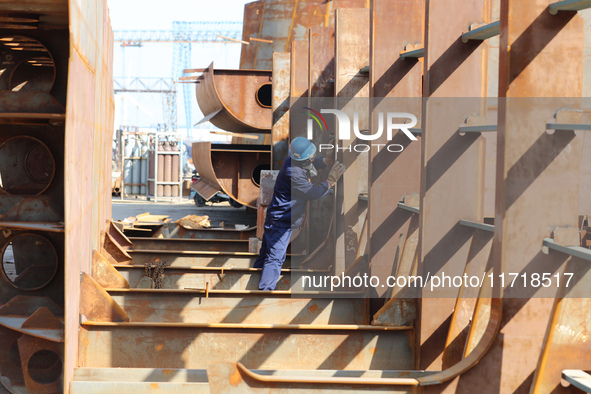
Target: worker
column 286, row 211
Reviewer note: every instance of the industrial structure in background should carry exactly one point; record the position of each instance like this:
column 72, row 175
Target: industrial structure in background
column 133, row 153
column 493, row 184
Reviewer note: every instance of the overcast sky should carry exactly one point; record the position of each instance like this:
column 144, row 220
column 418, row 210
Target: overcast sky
column 155, row 60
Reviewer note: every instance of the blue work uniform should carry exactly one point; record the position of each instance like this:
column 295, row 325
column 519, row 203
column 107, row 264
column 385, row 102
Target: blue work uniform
column 286, row 212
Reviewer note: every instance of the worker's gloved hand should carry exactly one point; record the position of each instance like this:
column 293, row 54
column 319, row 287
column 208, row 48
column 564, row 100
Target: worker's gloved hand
column 338, row 169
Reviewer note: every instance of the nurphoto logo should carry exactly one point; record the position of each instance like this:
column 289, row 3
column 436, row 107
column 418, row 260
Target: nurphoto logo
column 395, row 121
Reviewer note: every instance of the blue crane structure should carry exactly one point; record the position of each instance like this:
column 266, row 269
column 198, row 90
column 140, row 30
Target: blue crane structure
column 182, row 35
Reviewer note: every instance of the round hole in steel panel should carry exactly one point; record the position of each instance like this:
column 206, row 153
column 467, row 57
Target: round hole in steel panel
column 45, row 366
column 13, row 354
column 265, row 95
column 256, row 173
column 25, row 65
column 27, row 166
column 29, row 261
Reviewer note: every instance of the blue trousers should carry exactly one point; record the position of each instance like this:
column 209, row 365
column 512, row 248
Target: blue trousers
column 272, row 255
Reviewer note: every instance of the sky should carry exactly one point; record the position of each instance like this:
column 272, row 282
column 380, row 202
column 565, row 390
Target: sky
column 154, row 60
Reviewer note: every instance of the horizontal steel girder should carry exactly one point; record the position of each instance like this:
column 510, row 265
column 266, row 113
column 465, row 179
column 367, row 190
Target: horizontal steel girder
column 226, row 279
column 154, row 347
column 241, row 309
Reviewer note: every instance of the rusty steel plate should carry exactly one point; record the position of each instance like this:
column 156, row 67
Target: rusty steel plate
column 233, row 169
column 236, row 100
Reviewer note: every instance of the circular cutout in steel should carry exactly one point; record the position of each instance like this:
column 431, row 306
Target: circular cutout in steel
column 27, row 65
column 27, row 166
column 265, row 95
column 45, row 367
column 29, row 261
column 256, row 173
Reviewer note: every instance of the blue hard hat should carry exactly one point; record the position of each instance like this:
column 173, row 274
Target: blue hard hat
column 301, row 149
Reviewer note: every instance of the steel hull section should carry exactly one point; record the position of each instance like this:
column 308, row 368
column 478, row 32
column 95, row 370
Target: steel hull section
column 230, row 99
column 195, row 347
column 232, row 169
column 241, row 309
column 227, row 279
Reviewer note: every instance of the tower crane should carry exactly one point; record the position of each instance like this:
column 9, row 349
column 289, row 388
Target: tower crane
column 182, row 36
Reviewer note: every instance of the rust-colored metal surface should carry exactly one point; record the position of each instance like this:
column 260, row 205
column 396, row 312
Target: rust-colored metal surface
column 284, row 22
column 321, row 73
column 96, row 304
column 566, row 344
column 393, row 77
column 298, row 85
column 451, row 186
column 47, row 157
column 234, row 169
column 221, row 278
column 105, row 274
column 536, row 192
column 253, row 18
column 241, row 308
column 176, row 231
column 304, row 348
column 236, row 100
column 281, row 115
column 351, row 55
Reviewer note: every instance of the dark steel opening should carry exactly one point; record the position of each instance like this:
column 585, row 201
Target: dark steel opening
column 27, row 166
column 14, row 355
column 45, row 367
column 256, row 173
column 26, row 65
column 265, row 95
column 29, row 261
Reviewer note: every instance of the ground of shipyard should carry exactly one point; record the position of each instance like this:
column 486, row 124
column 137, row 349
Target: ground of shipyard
column 220, row 212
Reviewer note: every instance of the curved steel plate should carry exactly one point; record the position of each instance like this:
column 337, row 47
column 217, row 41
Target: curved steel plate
column 231, row 168
column 228, row 99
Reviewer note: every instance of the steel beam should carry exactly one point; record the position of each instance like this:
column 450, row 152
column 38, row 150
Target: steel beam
column 477, row 129
column 285, row 23
column 173, row 230
column 301, row 348
column 413, row 54
column 409, row 208
column 321, row 73
column 479, row 226
column 298, row 85
column 197, row 245
column 198, row 259
column 483, row 32
column 351, row 54
column 226, row 278
column 252, row 22
column 281, row 115
column 400, row 82
column 575, row 251
column 242, row 308
column 537, row 181
column 452, row 166
column 569, row 5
